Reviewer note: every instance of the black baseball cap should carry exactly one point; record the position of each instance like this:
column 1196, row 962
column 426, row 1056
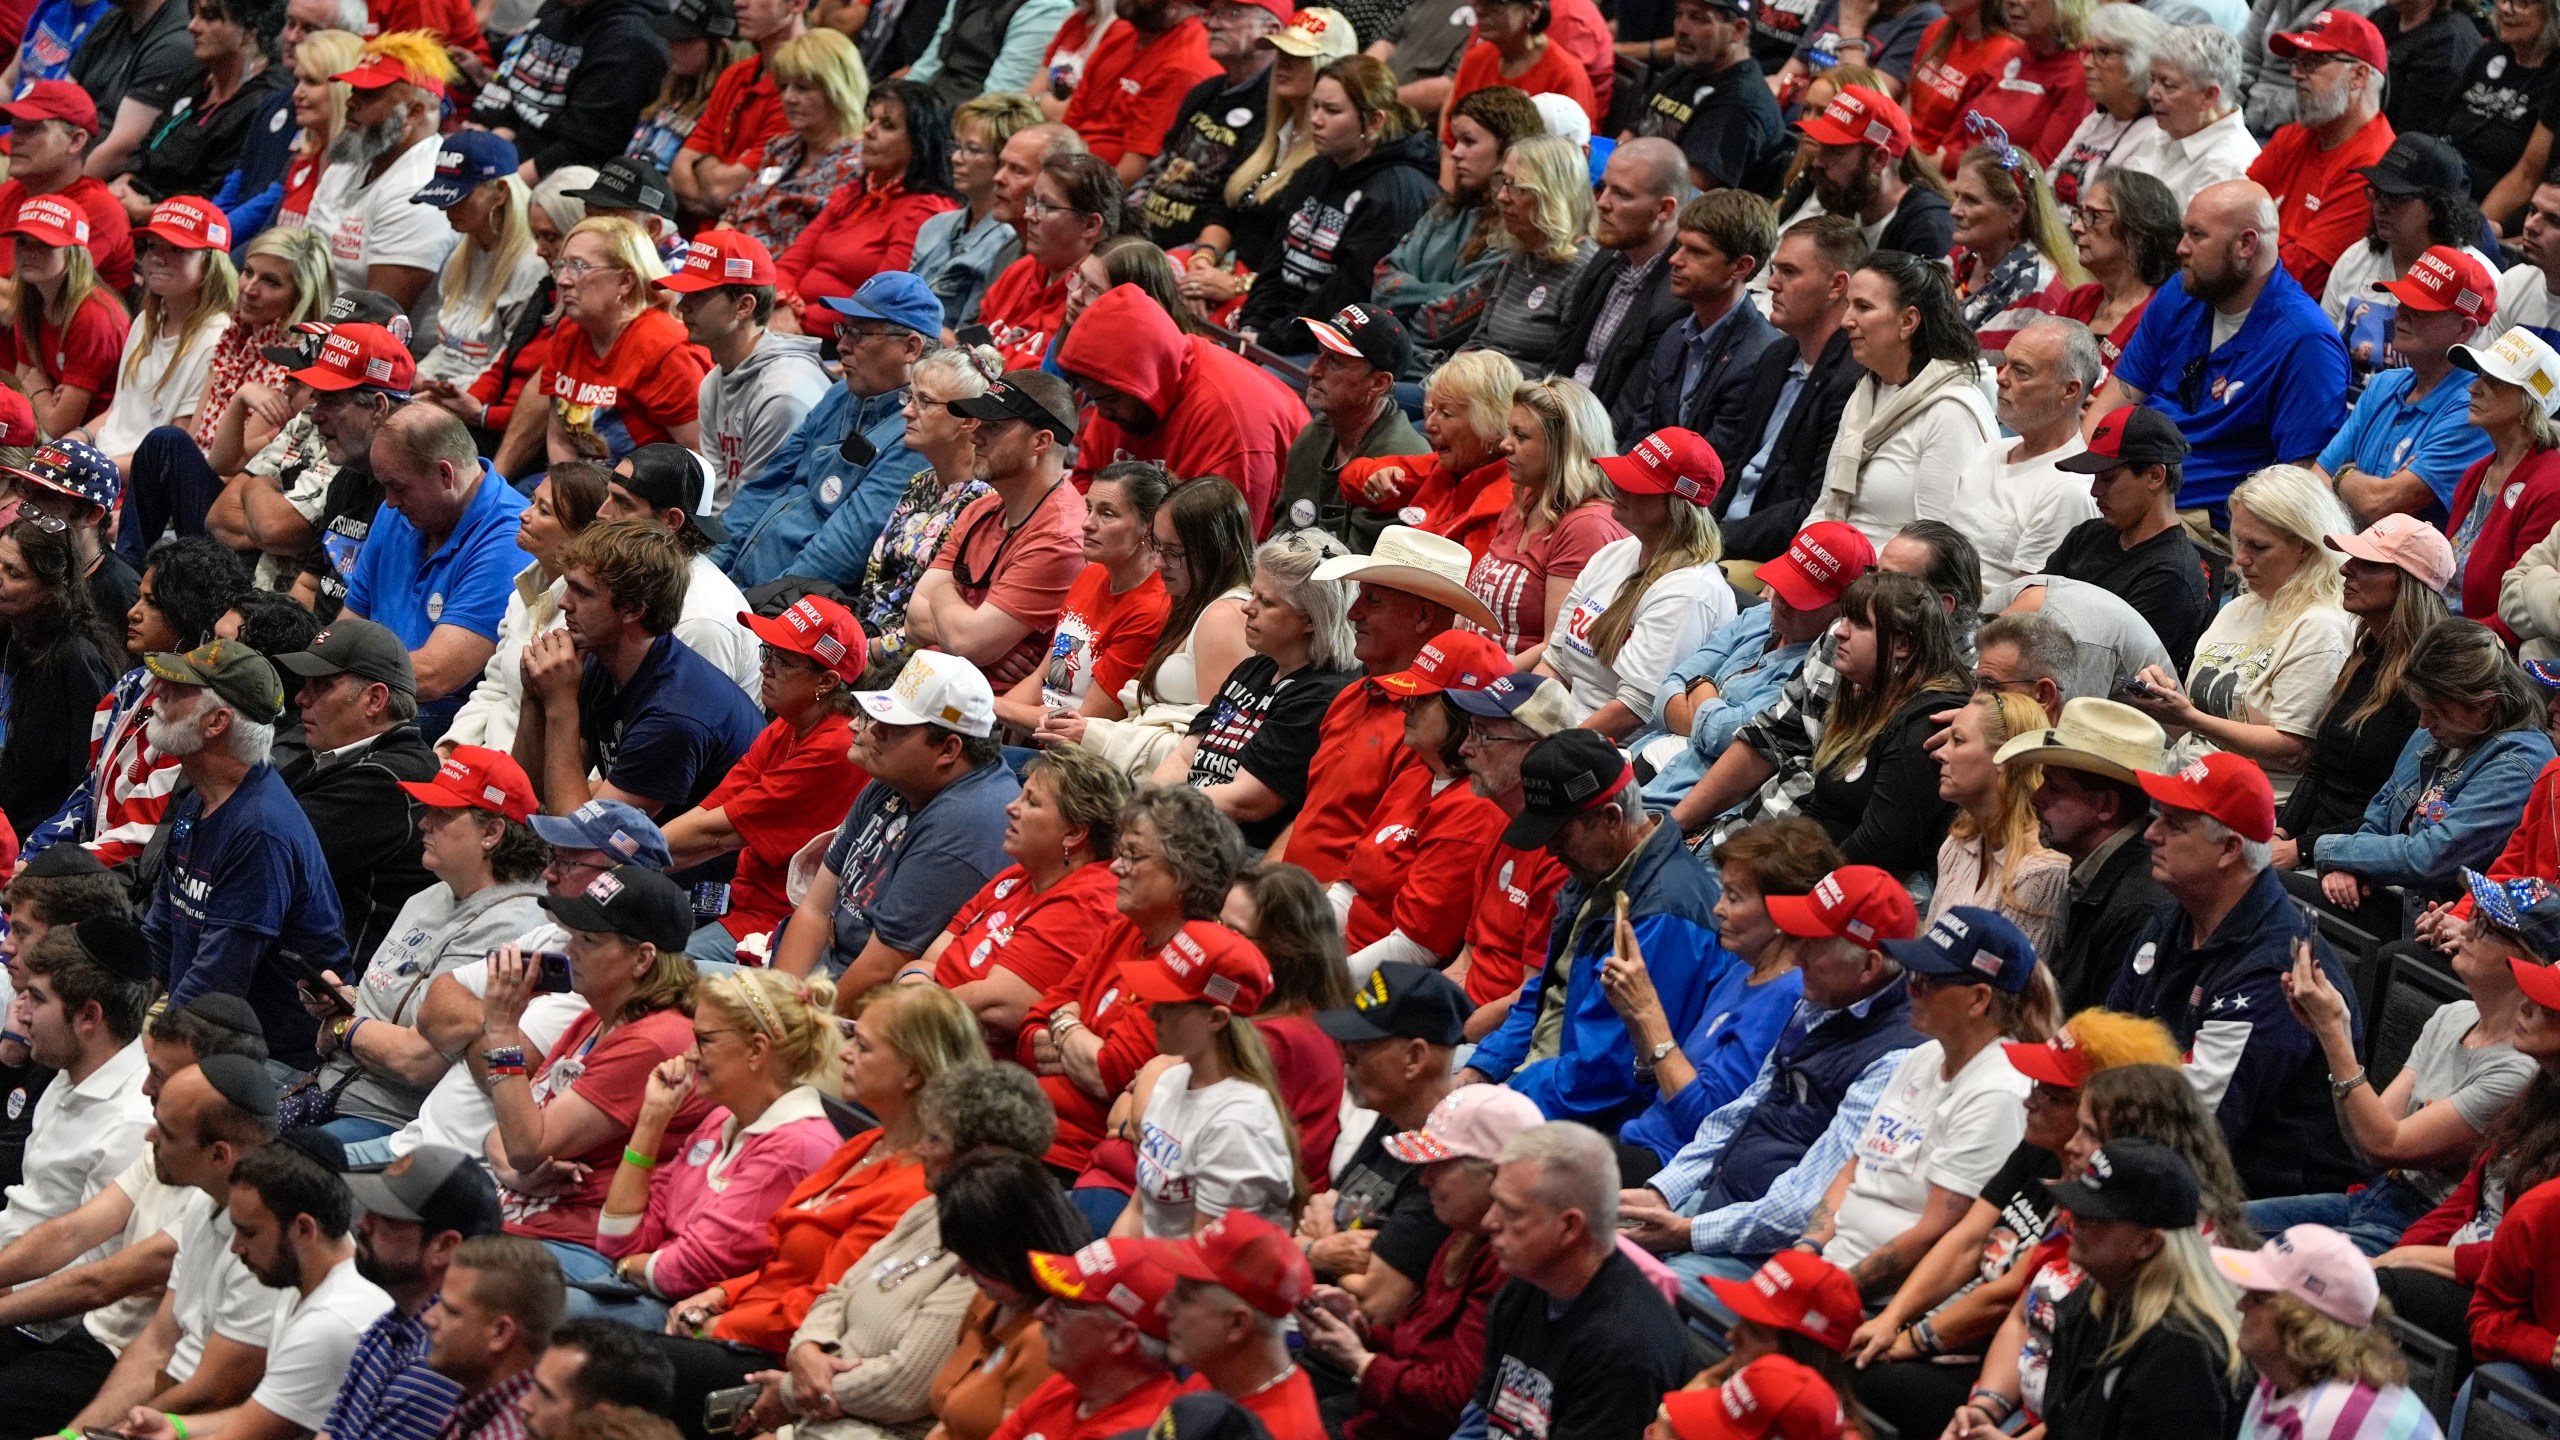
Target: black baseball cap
column 627, row 182
column 630, row 901
column 1401, row 1001
column 1031, row 396
column 2415, row 164
column 1564, row 775
column 56, row 862
column 114, row 942
column 351, row 307
column 1366, row 332
column 699, row 20
column 1203, row 1415
column 2133, row 1179
column 667, row 477
column 2130, row 435
column 434, row 1186
column 355, row 646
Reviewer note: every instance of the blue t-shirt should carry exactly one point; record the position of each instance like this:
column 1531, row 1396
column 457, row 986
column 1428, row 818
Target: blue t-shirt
column 239, row 887
column 903, row 873
column 2386, row 434
column 53, row 33
column 673, row 732
column 1736, row 1031
column 2275, row 392
column 466, row 582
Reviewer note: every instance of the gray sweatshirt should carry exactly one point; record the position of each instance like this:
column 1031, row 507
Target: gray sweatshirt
column 748, row 412
column 434, row 933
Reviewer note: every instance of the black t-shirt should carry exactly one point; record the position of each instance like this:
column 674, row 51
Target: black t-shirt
column 2349, row 763
column 2427, row 66
column 1265, row 726
column 194, row 142
column 2025, row 1208
column 19, row 1088
column 346, row 518
column 1726, row 121
column 2494, row 115
column 1217, row 127
column 49, row 702
column 1377, row 1191
column 1882, row 808
column 153, row 65
column 2169, row 1382
column 1592, row 1370
column 2163, row 577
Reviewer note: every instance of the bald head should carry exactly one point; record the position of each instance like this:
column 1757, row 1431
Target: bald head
column 2234, row 205
column 2229, row 246
column 1019, row 163
column 1641, row 192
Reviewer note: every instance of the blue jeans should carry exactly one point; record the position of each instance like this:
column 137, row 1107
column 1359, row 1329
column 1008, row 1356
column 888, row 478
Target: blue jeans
column 714, row 949
column 2373, row 1217
column 1101, row 1205
column 1695, row 1270
column 2506, row 1370
column 350, row 1129
column 577, row 1262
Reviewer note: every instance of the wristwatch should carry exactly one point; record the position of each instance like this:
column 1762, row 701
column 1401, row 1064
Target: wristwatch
column 1660, row 1050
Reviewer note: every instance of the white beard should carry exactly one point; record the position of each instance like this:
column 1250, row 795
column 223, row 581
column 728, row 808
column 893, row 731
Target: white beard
column 174, row 738
column 2320, row 111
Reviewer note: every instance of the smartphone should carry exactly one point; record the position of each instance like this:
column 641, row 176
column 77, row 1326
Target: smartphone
column 2131, row 685
column 323, row 993
column 554, row 977
column 974, row 335
column 721, row 1409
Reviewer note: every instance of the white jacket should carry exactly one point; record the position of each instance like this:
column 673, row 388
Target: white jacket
column 2529, row 598
column 1903, row 457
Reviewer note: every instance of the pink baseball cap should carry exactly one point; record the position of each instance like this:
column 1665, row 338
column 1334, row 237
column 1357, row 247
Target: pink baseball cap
column 2315, row 1265
column 2405, row 541
column 1473, row 1122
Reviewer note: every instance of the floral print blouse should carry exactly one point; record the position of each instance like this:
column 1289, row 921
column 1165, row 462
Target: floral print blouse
column 790, row 188
column 905, row 550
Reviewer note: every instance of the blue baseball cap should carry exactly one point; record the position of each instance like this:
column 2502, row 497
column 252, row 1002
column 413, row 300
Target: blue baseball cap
column 2545, row 673
column 469, row 160
column 1536, row 702
column 896, row 296
column 1971, row 945
column 68, row 467
column 609, row 826
column 2504, row 903
column 2538, row 926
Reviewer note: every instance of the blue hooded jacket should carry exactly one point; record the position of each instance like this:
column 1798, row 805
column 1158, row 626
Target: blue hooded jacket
column 812, row 512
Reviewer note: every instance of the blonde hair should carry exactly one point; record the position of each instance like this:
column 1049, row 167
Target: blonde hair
column 1262, row 175
column 1578, row 433
column 793, row 1016
column 2183, row 1281
column 627, row 249
column 1240, row 1047
column 2320, row 1348
column 1556, row 171
column 688, row 95
column 2039, row 219
column 669, row 985
column 828, row 59
column 515, row 242
column 2297, row 503
column 2018, row 837
column 79, row 283
column 1483, row 383
column 926, row 1025
column 323, row 55
column 306, row 252
column 216, row 293
column 1694, row 540
column 1001, row 116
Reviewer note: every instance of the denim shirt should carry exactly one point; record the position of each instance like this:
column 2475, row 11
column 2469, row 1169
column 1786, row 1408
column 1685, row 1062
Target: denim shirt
column 1749, row 677
column 2438, row 814
column 958, row 260
column 812, row 512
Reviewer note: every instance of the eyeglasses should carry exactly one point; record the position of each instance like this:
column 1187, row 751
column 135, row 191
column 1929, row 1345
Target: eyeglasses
column 1033, row 207
column 773, row 659
column 848, row 332
column 1478, row 735
column 1985, row 685
column 2090, row 217
column 970, row 147
column 2306, row 61
column 17, row 510
column 574, row 269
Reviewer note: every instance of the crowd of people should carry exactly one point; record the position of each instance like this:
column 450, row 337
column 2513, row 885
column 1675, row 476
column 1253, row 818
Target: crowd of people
column 1435, row 720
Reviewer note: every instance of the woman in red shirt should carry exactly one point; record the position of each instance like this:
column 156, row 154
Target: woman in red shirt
column 1074, row 202
column 320, row 110
column 1555, row 517
column 1282, row 910
column 1960, row 56
column 871, row 227
column 1457, row 488
column 1115, row 609
column 1512, row 48
column 2047, row 96
column 622, row 374
column 1030, row 926
column 2126, row 232
column 70, row 330
column 2515, row 1305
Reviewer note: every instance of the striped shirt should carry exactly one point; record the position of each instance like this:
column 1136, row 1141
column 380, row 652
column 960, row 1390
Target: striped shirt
column 390, row 1393
column 2337, row 1410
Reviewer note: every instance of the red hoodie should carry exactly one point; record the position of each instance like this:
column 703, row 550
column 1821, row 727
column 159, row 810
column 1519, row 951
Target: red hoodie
column 2515, row 1307
column 1220, row 414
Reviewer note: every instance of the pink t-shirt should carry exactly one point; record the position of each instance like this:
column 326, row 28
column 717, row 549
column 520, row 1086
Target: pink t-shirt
column 1511, row 577
column 1025, row 573
column 708, row 1206
column 613, row 1076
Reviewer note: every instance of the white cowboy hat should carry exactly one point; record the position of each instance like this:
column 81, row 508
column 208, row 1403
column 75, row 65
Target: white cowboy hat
column 1418, row 563
column 2099, row 736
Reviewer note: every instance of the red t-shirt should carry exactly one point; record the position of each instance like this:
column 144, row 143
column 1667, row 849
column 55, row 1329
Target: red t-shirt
column 1944, row 88
column 2082, row 305
column 1511, row 576
column 1103, row 639
column 612, row 1075
column 1132, row 88
column 2039, row 102
column 84, row 354
column 1038, row 937
column 784, row 790
column 1555, row 72
column 864, row 230
column 1128, row 1041
column 1287, row 1410
column 1308, row 1064
column 1050, row 1412
column 110, row 233
column 1023, row 310
column 2322, row 204
column 650, row 380
column 1582, row 32
column 1359, row 753
column 1025, row 573
column 1515, row 909
column 1416, row 870
column 451, row 20
column 301, row 183
column 744, row 111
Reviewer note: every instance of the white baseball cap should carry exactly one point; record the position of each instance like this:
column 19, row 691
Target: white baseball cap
column 935, row 689
column 2518, row 357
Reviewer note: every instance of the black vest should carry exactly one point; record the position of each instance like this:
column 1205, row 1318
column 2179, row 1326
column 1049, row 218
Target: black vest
column 1805, row 1092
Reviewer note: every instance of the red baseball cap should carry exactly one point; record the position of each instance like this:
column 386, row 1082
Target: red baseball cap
column 1452, row 660
column 1247, row 1254
column 1123, row 1276
column 1204, row 961
column 1861, row 116
column 53, row 220
column 1819, row 564
column 819, row 628
column 2540, row 983
column 374, row 72
column 2333, row 32
column 54, row 100
column 2446, row 279
column 475, row 777
column 1854, row 902
column 1797, row 1291
column 17, row 418
column 353, row 355
column 190, row 222
column 1668, row 462
column 2058, row 1061
column 1772, row 1398
column 720, row 257
column 2230, row 788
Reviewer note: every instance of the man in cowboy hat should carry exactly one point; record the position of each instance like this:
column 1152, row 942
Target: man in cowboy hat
column 2091, row 808
column 1412, row 585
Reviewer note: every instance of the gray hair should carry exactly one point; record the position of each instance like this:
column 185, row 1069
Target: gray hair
column 966, row 371
column 1577, row 1170
column 1202, row 845
column 2205, row 54
column 351, row 17
column 250, row 742
column 2080, row 357
column 2046, row 651
column 2137, row 30
column 2257, row 855
column 999, row 1105
column 1291, row 561
column 551, row 197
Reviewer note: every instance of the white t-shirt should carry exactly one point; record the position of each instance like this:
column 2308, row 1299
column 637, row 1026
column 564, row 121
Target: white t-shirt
column 456, row 1113
column 1652, row 637
column 213, row 1293
column 468, row 340
column 2525, row 298
column 2020, row 512
column 82, row 1137
column 1204, row 1152
column 2284, row 681
column 157, row 1209
column 163, row 388
column 315, row 1337
column 1929, row 1130
column 383, row 224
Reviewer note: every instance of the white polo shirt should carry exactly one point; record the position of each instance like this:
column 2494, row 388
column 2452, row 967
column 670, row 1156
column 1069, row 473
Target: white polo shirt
column 314, row 1337
column 157, row 1209
column 84, row 1136
column 212, row 1292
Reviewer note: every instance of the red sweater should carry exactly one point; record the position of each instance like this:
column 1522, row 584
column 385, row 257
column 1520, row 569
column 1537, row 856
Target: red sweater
column 2515, row 1307
column 864, row 230
column 1430, row 1357
column 2520, row 514
column 1128, row 1041
column 2440, row 1225
column 2534, row 848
